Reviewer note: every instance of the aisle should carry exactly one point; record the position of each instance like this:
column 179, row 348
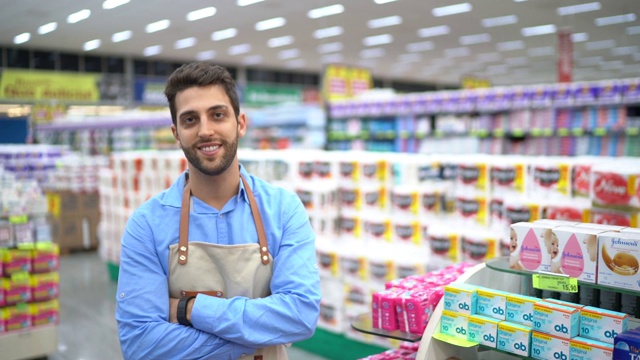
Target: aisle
column 87, row 304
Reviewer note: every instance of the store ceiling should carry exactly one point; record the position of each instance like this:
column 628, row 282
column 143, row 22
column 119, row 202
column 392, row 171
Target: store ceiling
column 501, row 54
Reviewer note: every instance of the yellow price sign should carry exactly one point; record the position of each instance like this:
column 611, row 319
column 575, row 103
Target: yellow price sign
column 555, row 283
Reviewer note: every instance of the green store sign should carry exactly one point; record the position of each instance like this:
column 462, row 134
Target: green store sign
column 260, row 95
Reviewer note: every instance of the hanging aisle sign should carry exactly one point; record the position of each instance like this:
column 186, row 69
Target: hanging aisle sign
column 343, row 82
column 565, row 56
column 48, row 85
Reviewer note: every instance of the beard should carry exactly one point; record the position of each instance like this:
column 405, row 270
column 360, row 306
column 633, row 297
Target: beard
column 216, row 167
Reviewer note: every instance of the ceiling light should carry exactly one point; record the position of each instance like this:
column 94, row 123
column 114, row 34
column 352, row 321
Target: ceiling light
column 434, row 31
column 328, row 32
column 499, row 21
column 451, row 9
column 121, row 36
column 205, row 55
column 404, row 58
column 489, row 57
column 247, row 2
column 420, row 46
column 576, row 9
column 519, row 0
column 201, row 14
column 239, row 49
column 330, row 47
column 332, row 58
column 22, row 38
column 288, row 54
column 152, row 50
column 157, row 26
column 297, row 63
column 457, row 52
column 633, row 30
column 599, row 45
column 510, row 45
column 252, row 60
column 589, row 61
column 280, row 41
column 516, row 61
column 618, row 19
column 224, row 34
column 385, row 21
column 579, row 37
column 47, row 28
column 383, row 1
column 541, row 51
column 91, row 45
column 325, row 11
column 474, row 39
column 372, row 53
column 625, row 50
column 270, row 23
column 110, row 4
column 539, row 30
column 185, row 43
column 78, row 16
column 377, row 40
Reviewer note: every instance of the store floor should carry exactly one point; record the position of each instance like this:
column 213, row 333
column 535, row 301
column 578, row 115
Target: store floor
column 87, row 328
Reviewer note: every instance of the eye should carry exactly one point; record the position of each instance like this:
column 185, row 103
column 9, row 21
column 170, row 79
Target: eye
column 218, row 115
column 188, row 120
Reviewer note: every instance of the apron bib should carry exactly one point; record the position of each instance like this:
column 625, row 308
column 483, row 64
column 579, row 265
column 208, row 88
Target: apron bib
column 223, row 270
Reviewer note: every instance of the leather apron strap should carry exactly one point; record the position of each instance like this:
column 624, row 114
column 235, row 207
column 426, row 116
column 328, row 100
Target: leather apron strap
column 183, row 242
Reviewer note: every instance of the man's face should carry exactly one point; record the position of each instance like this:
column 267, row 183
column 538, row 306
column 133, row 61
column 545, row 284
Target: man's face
column 207, row 128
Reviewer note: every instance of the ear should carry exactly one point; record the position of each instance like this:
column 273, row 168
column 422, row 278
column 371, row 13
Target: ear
column 242, row 124
column 174, row 130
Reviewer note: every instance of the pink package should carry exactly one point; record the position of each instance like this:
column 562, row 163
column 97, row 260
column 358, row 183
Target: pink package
column 417, row 307
column 383, row 312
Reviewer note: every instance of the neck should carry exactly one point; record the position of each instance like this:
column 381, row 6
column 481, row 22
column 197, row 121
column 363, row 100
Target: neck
column 215, row 190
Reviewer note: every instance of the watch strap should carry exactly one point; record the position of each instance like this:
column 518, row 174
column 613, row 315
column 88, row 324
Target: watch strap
column 181, row 312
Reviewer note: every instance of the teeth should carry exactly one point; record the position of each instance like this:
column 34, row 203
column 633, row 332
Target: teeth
column 209, row 148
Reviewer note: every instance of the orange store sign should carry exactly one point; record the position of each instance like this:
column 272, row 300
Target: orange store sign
column 47, row 85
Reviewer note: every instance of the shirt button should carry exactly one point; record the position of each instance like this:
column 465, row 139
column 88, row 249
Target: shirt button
column 121, row 295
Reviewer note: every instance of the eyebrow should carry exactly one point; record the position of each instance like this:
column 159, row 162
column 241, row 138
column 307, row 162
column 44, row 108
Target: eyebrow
column 212, row 108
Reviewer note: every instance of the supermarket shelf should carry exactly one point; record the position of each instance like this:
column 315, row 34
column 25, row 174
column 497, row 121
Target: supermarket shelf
column 30, row 343
column 363, row 324
column 115, row 123
column 502, row 264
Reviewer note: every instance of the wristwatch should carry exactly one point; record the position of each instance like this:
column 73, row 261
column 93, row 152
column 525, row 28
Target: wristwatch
column 181, row 313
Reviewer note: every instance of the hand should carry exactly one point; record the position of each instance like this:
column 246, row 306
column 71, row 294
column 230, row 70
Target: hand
column 173, row 310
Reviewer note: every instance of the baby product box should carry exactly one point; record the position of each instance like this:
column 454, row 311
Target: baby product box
column 602, row 325
column 546, row 346
column 483, row 330
column 626, row 346
column 454, row 324
column 573, row 251
column 529, row 249
column 587, row 349
column 461, row 298
column 492, row 303
column 555, row 319
column 514, row 338
column 618, row 262
column 519, row 309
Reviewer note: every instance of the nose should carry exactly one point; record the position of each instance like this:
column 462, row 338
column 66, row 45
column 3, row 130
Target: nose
column 206, row 129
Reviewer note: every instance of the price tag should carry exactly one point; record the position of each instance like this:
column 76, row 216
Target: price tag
column 18, row 219
column 555, row 283
column 599, row 131
column 453, row 340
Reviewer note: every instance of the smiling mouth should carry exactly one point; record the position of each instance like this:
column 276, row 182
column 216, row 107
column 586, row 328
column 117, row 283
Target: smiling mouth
column 209, row 148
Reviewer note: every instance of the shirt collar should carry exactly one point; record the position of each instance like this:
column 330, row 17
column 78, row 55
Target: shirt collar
column 173, row 195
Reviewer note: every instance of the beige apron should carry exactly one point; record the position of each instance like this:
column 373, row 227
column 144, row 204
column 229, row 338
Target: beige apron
column 223, row 270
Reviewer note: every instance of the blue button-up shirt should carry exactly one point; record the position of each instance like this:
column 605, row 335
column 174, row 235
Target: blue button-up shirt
column 222, row 328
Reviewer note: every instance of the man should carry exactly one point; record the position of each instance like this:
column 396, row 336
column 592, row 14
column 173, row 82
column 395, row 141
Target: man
column 222, row 264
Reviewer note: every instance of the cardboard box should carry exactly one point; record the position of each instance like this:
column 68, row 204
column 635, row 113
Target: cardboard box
column 75, row 232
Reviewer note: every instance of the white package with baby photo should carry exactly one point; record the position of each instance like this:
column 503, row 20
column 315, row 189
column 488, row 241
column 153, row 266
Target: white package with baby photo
column 574, row 251
column 529, row 249
column 618, row 260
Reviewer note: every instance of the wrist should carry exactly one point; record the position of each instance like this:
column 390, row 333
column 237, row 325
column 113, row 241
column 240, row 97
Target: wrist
column 183, row 311
column 190, row 302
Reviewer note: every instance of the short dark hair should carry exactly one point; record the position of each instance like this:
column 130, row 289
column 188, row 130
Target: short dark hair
column 200, row 74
